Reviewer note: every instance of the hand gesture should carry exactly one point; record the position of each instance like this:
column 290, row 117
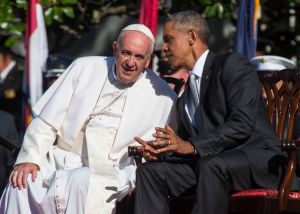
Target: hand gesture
column 168, row 141
column 149, row 152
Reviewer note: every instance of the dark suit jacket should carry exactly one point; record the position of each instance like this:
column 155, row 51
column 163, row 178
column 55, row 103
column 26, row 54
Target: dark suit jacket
column 8, row 131
column 231, row 116
column 10, row 94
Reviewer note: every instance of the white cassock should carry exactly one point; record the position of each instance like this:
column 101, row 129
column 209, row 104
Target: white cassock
column 79, row 139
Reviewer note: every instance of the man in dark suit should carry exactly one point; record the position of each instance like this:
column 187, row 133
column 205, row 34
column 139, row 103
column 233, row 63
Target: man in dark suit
column 10, row 84
column 224, row 142
column 8, row 131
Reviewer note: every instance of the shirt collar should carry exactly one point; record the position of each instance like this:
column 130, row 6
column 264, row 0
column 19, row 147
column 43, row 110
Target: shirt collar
column 198, row 67
column 6, row 71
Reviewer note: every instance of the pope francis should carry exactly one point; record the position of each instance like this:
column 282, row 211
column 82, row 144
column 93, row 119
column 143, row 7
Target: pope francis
column 74, row 154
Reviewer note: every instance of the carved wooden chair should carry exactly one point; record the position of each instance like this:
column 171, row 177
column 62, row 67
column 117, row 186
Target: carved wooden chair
column 282, row 90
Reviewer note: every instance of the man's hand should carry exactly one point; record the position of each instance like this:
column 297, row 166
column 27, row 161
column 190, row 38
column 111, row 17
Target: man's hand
column 19, row 175
column 168, row 141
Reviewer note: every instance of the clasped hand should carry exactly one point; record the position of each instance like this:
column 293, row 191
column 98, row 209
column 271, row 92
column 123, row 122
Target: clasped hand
column 166, row 141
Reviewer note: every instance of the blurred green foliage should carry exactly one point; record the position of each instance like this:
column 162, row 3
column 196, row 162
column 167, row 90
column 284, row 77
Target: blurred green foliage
column 278, row 32
column 11, row 23
column 74, row 15
column 13, row 16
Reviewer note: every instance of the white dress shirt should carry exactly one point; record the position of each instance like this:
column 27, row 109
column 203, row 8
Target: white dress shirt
column 6, row 71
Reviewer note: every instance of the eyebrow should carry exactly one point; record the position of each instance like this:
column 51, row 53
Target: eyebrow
column 134, row 54
column 167, row 37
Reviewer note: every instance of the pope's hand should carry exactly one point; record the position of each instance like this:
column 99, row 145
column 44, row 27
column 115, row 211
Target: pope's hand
column 19, row 175
column 149, row 153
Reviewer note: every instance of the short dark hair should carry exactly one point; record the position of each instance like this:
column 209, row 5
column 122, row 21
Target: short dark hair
column 5, row 51
column 191, row 20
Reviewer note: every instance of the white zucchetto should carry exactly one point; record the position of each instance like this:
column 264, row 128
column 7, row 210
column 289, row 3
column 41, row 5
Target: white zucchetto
column 141, row 28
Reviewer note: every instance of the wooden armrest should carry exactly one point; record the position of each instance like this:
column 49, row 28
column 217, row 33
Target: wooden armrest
column 290, row 145
column 137, row 153
column 297, row 142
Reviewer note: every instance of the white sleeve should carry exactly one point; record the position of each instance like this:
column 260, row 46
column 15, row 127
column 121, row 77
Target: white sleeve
column 52, row 106
column 38, row 140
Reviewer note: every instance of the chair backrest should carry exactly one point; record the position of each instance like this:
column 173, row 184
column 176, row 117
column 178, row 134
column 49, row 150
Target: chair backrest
column 282, row 90
column 283, row 96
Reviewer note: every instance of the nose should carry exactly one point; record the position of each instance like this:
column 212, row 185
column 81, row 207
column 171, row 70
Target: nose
column 164, row 47
column 130, row 61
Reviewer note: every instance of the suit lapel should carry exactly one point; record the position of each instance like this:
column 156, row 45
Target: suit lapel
column 206, row 75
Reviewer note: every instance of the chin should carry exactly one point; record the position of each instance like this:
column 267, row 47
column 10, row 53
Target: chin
column 173, row 64
column 126, row 80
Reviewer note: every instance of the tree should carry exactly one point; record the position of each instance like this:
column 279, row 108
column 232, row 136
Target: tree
column 278, row 28
column 12, row 16
column 60, row 14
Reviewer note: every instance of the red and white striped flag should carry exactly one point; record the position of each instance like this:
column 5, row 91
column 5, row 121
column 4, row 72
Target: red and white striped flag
column 149, row 14
column 36, row 50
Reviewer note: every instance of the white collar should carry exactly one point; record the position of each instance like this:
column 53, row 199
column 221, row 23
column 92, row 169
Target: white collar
column 198, row 67
column 6, row 71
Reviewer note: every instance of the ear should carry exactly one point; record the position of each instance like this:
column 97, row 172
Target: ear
column 115, row 47
column 192, row 37
column 148, row 62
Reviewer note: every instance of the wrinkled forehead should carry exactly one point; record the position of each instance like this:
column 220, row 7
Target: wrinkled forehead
column 135, row 43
